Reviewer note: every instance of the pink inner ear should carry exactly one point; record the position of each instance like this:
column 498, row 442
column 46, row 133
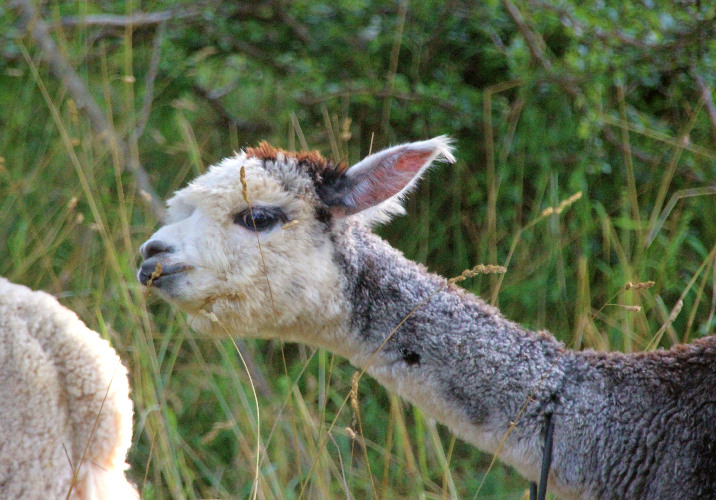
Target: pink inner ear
column 411, row 162
column 390, row 178
column 386, row 174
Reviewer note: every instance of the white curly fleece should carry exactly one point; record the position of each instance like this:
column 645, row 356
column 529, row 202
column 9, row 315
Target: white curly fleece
column 61, row 387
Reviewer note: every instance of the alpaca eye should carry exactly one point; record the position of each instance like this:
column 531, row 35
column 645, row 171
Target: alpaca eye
column 263, row 218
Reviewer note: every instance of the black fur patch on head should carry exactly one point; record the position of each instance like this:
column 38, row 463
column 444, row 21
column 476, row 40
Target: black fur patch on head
column 323, row 215
column 328, row 177
column 331, row 187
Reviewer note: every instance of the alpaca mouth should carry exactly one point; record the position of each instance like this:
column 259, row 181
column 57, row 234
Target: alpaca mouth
column 153, row 273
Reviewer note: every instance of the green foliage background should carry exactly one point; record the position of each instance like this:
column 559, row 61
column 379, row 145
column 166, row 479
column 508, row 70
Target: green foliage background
column 545, row 99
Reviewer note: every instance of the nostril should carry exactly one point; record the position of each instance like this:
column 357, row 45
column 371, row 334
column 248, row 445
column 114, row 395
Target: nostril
column 154, row 247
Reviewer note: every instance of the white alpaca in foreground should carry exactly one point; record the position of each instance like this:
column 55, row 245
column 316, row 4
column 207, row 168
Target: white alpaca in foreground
column 65, row 412
column 625, row 426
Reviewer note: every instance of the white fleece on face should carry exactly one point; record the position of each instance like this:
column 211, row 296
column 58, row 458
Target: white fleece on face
column 285, row 278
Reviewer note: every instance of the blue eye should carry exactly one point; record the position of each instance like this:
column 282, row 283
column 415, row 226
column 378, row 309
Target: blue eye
column 259, row 218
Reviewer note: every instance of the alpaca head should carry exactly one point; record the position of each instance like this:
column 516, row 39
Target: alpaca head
column 248, row 246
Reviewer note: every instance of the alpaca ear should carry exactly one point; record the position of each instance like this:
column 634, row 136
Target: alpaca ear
column 381, row 176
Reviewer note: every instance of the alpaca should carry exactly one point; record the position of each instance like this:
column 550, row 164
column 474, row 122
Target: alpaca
column 65, row 412
column 624, row 426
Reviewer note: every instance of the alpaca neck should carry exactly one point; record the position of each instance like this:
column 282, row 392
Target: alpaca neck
column 455, row 357
column 622, row 424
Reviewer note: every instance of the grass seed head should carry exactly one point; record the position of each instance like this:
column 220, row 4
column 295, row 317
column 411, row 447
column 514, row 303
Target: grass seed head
column 244, row 189
column 210, row 315
column 155, row 274
column 478, row 269
column 639, row 286
column 562, row 205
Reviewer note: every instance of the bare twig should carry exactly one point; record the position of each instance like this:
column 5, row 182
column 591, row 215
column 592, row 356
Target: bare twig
column 312, row 100
column 670, row 41
column 640, row 154
column 536, row 44
column 570, row 21
column 656, row 226
column 30, row 20
column 262, row 385
column 214, row 100
column 261, row 56
column 490, row 167
column 136, row 19
column 707, row 97
column 393, row 69
column 285, row 16
column 680, row 140
column 149, row 82
column 668, row 46
column 709, row 320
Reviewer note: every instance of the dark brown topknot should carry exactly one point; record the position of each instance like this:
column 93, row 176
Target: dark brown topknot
column 312, row 162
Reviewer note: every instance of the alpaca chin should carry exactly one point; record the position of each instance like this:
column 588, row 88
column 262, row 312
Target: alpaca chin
column 225, row 315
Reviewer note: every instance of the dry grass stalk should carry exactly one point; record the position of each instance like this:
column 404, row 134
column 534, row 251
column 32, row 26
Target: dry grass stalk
column 245, row 194
column 212, row 317
column 672, row 317
column 675, row 311
column 627, row 308
column 638, row 286
column 354, row 404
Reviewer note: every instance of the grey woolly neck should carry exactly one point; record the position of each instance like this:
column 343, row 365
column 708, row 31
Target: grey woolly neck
column 460, row 350
column 619, row 430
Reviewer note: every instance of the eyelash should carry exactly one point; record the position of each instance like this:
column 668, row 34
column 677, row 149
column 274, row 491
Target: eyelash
column 263, row 218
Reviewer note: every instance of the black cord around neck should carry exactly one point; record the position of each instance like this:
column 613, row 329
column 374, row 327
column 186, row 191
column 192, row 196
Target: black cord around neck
column 546, row 463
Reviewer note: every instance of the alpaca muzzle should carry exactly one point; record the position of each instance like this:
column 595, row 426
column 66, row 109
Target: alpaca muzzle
column 153, row 272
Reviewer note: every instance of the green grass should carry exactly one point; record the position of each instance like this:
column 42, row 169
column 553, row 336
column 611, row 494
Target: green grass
column 71, row 223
